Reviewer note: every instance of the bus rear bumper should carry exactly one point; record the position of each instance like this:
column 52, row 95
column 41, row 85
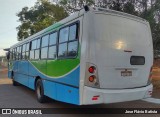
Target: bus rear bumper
column 99, row 96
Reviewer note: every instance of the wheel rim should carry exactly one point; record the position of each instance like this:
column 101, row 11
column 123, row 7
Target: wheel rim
column 39, row 91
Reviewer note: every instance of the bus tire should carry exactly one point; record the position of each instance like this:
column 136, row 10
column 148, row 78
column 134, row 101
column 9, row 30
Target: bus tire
column 40, row 91
column 14, row 83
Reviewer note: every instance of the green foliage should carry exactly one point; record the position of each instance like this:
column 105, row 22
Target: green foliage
column 38, row 17
column 129, row 8
column 74, row 5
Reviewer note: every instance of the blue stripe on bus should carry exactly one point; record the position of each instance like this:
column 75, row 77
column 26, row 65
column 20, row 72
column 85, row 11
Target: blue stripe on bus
column 52, row 88
column 61, row 92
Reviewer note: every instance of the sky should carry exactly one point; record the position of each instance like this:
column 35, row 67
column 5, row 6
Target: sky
column 9, row 21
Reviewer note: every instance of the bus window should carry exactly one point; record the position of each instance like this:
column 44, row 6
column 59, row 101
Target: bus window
column 38, row 43
column 27, row 55
column 11, row 54
column 53, row 38
column 44, row 46
column 72, row 48
column 37, row 54
column 24, row 48
column 62, row 50
column 52, row 52
column 17, row 50
column 33, row 44
column 71, row 43
column 72, row 32
column 31, row 54
column 14, row 54
column 20, row 53
column 45, row 40
column 23, row 51
column 44, row 52
column 27, row 51
column 27, row 47
column 37, row 50
column 137, row 60
column 63, row 37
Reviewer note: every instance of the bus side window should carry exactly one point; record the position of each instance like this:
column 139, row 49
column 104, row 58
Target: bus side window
column 62, row 50
column 33, row 47
column 68, row 47
column 23, row 51
column 14, row 54
column 17, row 50
column 27, row 51
column 73, row 32
column 11, row 54
column 44, row 46
column 52, row 50
column 53, row 38
column 73, row 43
column 63, row 37
column 37, row 50
column 72, row 48
column 20, row 52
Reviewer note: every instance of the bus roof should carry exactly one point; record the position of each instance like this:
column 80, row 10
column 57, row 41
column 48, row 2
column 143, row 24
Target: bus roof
column 74, row 16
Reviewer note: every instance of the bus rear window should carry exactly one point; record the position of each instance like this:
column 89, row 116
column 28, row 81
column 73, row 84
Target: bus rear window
column 137, row 60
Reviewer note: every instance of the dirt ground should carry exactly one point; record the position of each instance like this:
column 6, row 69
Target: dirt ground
column 156, row 74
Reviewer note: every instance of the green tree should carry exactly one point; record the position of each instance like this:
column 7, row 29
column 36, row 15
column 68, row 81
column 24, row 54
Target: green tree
column 38, row 17
column 72, row 6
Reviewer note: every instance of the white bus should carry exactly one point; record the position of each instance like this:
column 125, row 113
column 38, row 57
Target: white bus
column 91, row 57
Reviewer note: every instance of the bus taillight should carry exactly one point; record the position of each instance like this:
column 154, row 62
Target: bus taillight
column 91, row 69
column 92, row 78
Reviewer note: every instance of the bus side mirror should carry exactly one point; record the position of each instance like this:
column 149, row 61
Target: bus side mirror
column 8, row 55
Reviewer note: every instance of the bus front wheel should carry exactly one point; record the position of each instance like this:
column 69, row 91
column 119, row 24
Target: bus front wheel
column 14, row 83
column 40, row 91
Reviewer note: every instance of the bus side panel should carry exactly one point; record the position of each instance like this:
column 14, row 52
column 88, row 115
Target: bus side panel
column 15, row 69
column 67, row 94
column 61, row 92
column 23, row 67
column 31, row 82
column 70, row 78
column 50, row 89
column 22, row 79
column 23, row 72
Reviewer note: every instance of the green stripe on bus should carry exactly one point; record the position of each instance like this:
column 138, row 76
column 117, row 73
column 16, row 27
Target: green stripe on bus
column 56, row 68
column 55, row 26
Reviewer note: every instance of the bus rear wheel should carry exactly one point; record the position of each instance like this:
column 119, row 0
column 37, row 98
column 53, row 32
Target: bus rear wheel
column 40, row 91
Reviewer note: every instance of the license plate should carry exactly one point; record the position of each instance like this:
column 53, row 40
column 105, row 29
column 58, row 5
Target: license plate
column 126, row 73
